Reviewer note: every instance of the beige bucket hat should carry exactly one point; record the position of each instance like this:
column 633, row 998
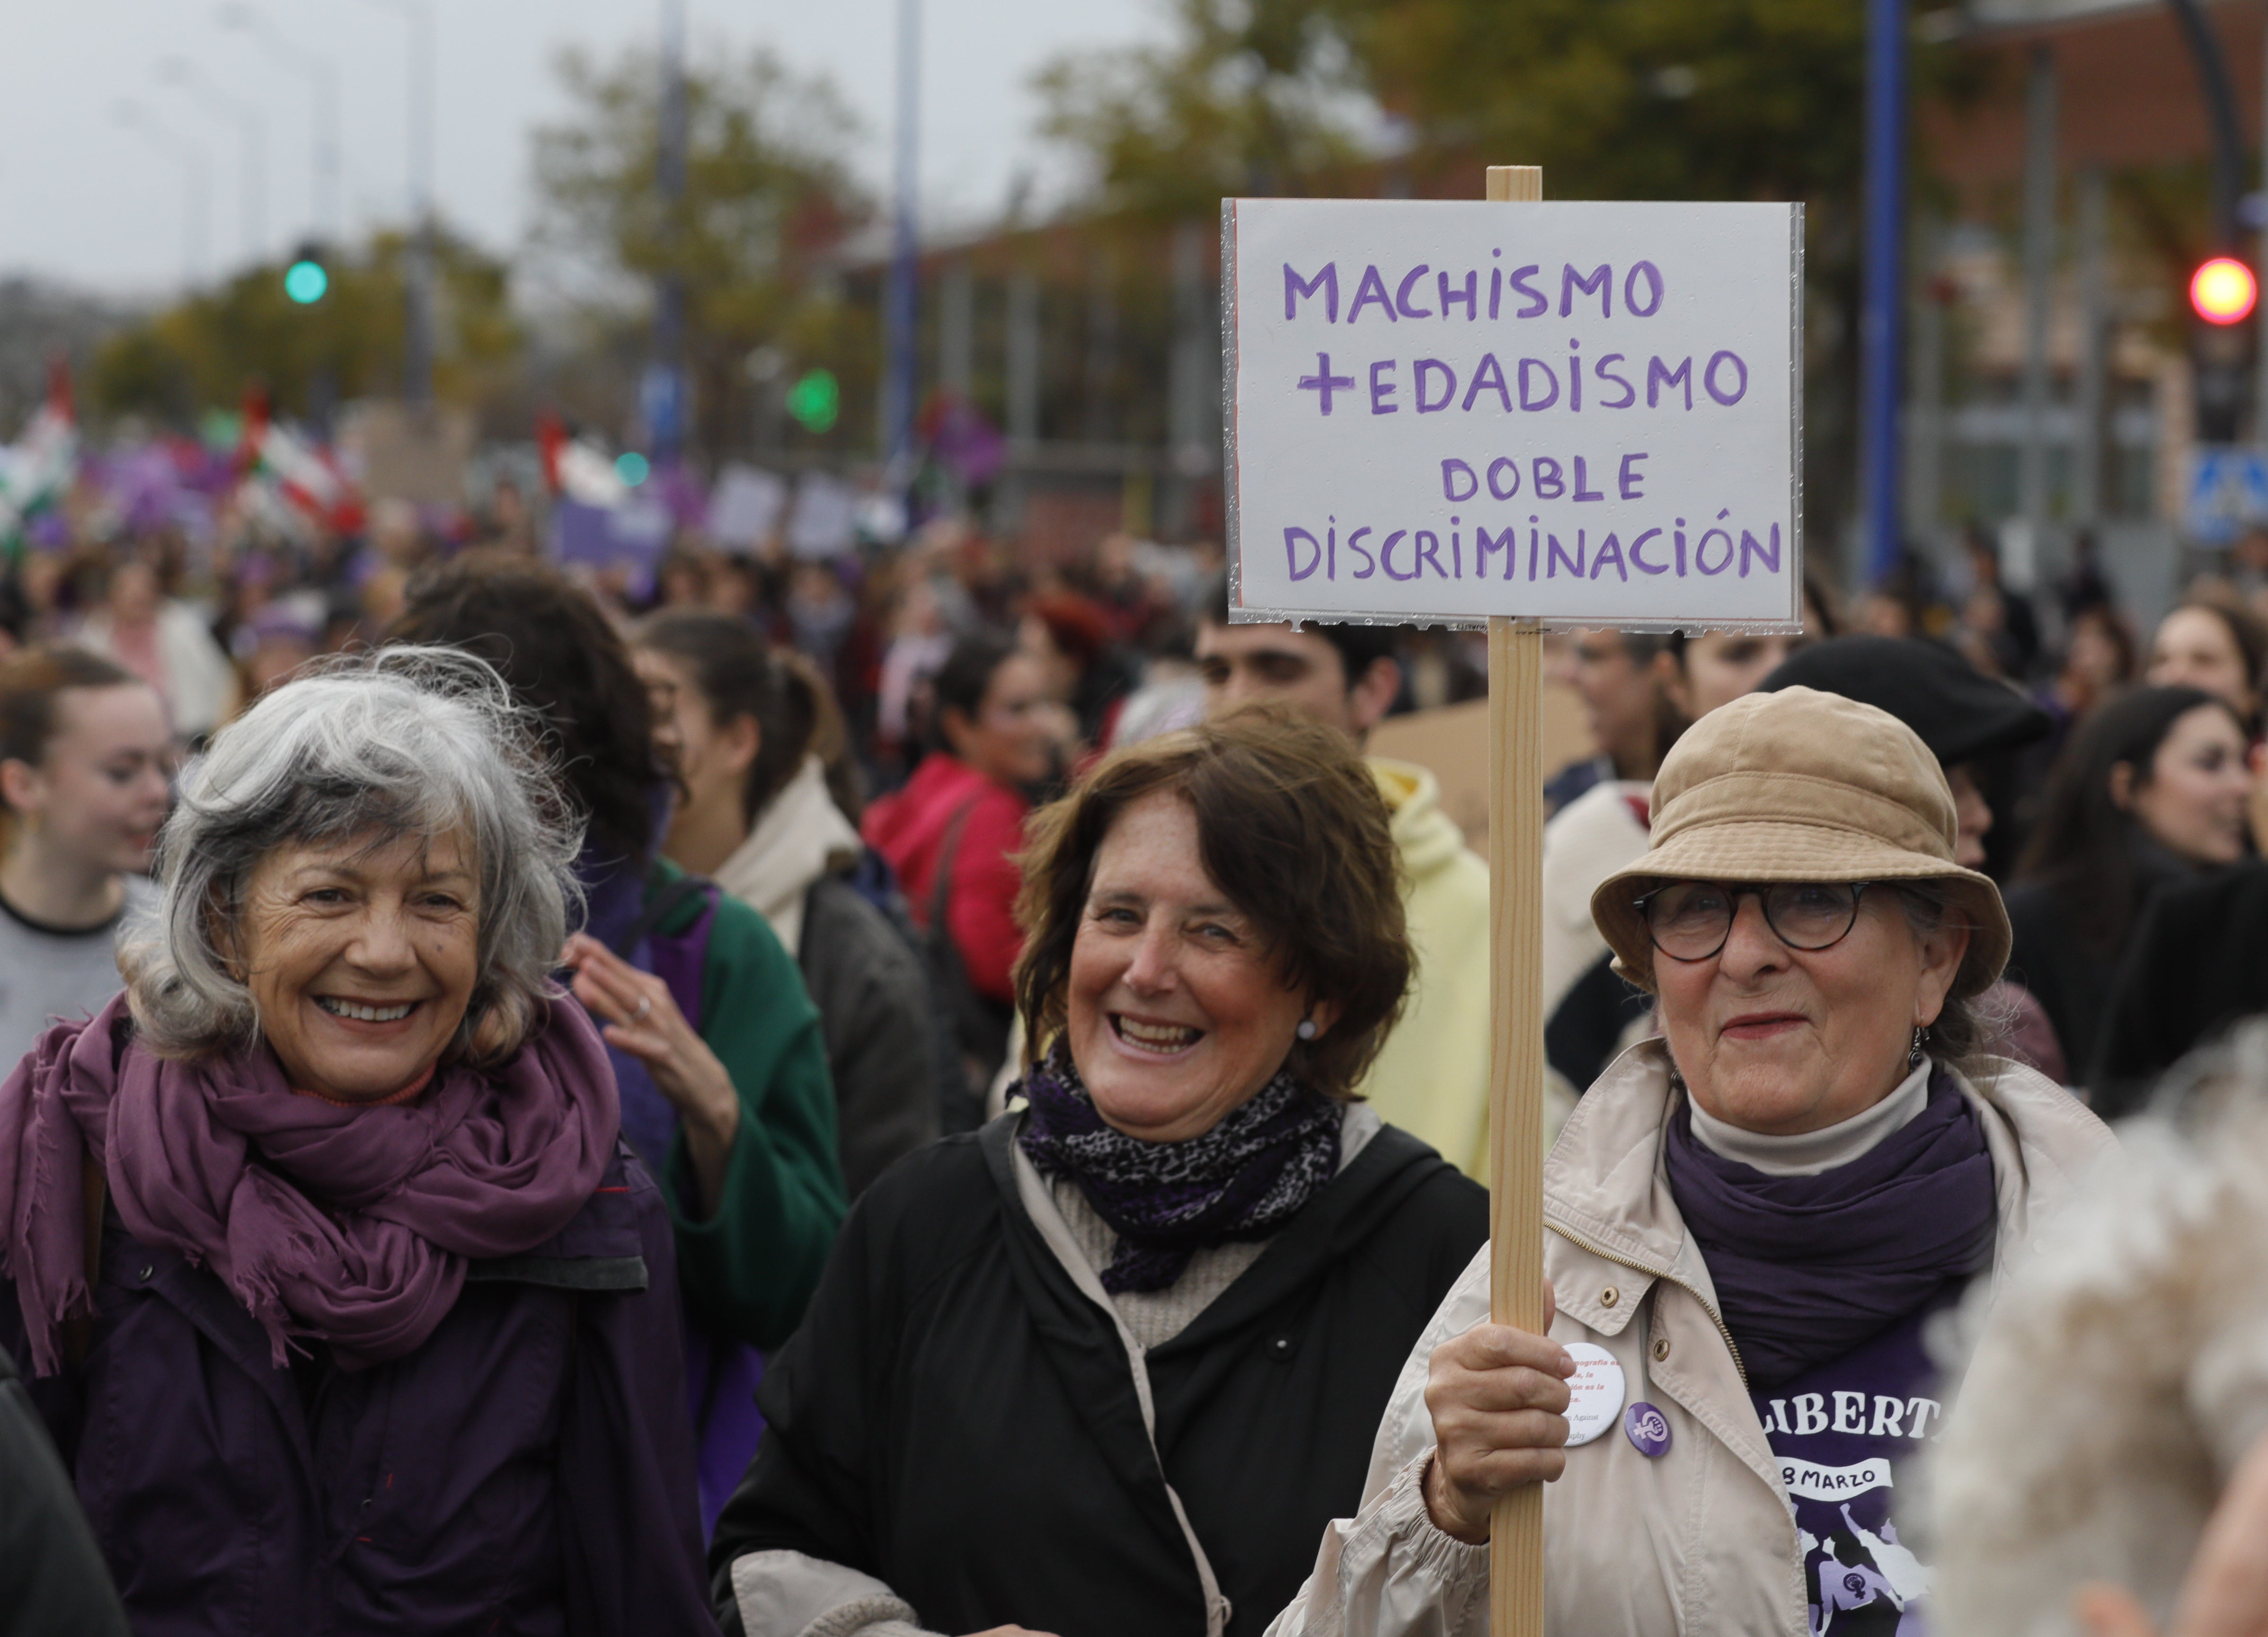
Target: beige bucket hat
column 1800, row 785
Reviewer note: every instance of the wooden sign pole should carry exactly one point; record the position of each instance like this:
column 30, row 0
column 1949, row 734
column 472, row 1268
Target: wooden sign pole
column 1515, row 669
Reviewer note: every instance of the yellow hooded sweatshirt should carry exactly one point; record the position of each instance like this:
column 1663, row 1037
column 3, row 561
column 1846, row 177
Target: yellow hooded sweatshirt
column 1431, row 1076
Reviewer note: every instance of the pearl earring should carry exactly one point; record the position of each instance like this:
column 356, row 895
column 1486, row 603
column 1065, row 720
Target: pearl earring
column 1307, row 1030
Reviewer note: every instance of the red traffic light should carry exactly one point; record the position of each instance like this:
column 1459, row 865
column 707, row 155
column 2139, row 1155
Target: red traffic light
column 2223, row 291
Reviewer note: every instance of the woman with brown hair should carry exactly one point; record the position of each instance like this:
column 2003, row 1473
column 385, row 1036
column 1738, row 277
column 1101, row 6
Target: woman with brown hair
column 86, row 763
column 1106, row 1365
column 756, row 816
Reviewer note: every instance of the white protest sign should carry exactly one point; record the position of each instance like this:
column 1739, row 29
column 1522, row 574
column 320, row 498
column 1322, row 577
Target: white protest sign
column 1582, row 414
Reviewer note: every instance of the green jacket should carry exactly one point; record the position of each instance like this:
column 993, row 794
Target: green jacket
column 748, row 1271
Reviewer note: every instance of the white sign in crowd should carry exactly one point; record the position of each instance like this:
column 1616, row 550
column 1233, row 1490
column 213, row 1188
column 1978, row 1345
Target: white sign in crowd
column 1585, row 414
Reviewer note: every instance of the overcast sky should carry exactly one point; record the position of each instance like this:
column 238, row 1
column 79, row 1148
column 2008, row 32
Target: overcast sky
column 88, row 199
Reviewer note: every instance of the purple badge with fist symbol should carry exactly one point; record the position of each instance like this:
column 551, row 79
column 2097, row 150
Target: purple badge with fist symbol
column 1648, row 1429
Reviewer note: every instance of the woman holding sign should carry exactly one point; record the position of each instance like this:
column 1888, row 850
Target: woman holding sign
column 1751, row 1222
column 1105, row 1367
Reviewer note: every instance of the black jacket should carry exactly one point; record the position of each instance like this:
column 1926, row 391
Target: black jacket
column 955, row 1419
column 2069, row 971
column 52, row 1580
column 2195, row 963
column 882, row 1041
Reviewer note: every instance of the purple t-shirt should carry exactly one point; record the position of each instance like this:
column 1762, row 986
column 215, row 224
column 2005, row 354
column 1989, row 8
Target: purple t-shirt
column 1843, row 1431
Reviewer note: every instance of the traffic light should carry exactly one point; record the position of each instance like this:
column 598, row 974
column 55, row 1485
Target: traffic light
column 306, row 280
column 2223, row 291
column 814, row 401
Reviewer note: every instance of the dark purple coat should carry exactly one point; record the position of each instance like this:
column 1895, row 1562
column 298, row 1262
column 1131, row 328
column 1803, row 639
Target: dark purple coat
column 528, row 1469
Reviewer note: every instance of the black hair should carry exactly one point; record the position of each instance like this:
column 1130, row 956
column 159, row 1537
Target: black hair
column 1359, row 646
column 553, row 645
column 739, row 675
column 2083, row 847
column 965, row 678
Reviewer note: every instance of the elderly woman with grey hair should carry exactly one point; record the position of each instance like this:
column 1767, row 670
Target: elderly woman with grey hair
column 340, row 1295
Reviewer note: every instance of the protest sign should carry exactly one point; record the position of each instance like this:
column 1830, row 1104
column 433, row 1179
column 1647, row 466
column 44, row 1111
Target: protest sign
column 1569, row 415
column 1580, row 413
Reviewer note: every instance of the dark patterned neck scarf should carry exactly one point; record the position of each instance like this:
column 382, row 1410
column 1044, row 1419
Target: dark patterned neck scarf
column 1809, row 1267
column 1242, row 1180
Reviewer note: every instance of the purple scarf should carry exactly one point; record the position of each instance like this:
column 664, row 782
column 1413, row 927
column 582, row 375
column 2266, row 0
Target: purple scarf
column 1242, row 1180
column 1809, row 1267
column 348, row 1226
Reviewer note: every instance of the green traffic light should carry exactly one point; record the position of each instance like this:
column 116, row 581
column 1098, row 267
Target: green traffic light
column 305, row 281
column 815, row 401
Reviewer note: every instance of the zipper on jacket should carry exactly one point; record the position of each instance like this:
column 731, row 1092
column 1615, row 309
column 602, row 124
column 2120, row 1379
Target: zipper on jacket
column 1619, row 1260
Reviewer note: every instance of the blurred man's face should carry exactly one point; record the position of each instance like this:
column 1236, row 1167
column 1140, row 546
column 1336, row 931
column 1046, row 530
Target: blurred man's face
column 1246, row 664
column 1722, row 665
column 1622, row 699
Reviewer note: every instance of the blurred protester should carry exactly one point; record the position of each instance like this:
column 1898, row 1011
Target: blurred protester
column 757, row 817
column 1590, row 1011
column 166, row 643
column 2098, row 661
column 1156, row 1313
column 1172, row 696
column 1134, row 601
column 2017, row 623
column 341, row 1296
column 274, row 643
column 1755, row 1218
column 2149, row 790
column 2195, row 963
column 921, row 638
column 1623, row 678
column 86, row 764
column 820, row 614
column 715, row 1046
column 953, row 832
column 1966, row 719
column 1430, row 1075
column 2118, row 1380
column 2217, row 647
column 52, row 1580
column 1072, row 638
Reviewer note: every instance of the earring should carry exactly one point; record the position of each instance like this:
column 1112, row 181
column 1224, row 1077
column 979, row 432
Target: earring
column 1914, row 1056
column 1307, row 1030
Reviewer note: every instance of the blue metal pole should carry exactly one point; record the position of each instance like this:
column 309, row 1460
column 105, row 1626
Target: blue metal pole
column 1881, row 328
column 899, row 307
column 665, row 396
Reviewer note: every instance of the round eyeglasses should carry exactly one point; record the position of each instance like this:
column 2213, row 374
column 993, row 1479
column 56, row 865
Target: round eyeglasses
column 1691, row 920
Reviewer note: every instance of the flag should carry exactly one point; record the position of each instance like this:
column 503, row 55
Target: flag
column 37, row 470
column 578, row 470
column 305, row 471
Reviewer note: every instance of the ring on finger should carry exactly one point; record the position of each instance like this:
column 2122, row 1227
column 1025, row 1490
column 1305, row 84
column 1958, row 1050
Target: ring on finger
column 644, row 1006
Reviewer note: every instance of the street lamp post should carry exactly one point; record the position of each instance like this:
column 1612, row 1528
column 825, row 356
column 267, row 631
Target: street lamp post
column 418, row 14
column 666, row 397
column 901, row 300
column 252, row 132
column 195, row 177
column 1883, row 286
column 324, row 214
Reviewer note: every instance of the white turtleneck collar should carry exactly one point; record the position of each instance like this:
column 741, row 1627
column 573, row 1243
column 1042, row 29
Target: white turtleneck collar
column 1811, row 1152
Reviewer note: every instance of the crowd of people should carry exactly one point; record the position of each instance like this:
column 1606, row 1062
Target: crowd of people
column 930, row 1093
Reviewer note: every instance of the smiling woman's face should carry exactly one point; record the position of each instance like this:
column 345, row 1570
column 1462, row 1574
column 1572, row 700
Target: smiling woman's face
column 361, row 960
column 1176, row 1014
column 1784, row 1041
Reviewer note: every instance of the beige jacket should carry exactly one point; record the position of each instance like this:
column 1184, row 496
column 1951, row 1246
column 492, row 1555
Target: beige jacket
column 1701, row 1543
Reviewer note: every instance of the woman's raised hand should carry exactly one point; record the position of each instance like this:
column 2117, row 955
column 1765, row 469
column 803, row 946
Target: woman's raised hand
column 2226, row 1593
column 1498, row 1398
column 638, row 1015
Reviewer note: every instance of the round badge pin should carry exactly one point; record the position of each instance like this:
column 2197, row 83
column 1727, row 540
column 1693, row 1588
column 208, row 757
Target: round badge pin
column 1648, row 1429
column 1595, row 1394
